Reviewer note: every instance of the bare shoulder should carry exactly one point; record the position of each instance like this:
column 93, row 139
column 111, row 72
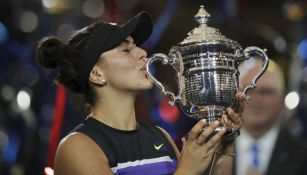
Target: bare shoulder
column 169, row 138
column 79, row 155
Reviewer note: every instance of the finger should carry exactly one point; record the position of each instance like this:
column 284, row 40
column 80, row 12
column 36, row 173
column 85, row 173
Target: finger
column 217, row 145
column 211, row 151
column 216, row 138
column 241, row 88
column 183, row 140
column 234, row 117
column 227, row 122
column 231, row 115
column 196, row 130
column 241, row 102
column 240, row 97
column 206, row 132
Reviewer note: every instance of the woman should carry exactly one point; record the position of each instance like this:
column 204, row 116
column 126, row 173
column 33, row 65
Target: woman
column 104, row 63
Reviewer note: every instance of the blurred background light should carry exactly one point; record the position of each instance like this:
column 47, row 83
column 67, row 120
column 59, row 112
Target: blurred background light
column 280, row 44
column 293, row 11
column 7, row 92
column 168, row 113
column 49, row 171
column 56, row 6
column 28, row 21
column 3, row 33
column 3, row 139
column 93, row 8
column 302, row 49
column 64, row 31
column 292, row 100
column 50, row 3
column 29, row 75
column 23, row 100
column 10, row 150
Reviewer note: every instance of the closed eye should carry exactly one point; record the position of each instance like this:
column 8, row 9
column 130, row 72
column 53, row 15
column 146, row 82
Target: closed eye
column 127, row 50
column 129, row 45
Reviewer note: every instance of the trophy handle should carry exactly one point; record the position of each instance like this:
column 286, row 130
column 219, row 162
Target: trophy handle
column 165, row 60
column 251, row 51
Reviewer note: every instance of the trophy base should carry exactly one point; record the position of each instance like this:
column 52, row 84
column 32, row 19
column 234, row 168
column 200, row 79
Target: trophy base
column 214, row 113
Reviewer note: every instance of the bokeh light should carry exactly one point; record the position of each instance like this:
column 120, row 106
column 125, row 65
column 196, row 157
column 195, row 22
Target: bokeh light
column 302, row 49
column 28, row 21
column 64, row 31
column 56, row 6
column 168, row 113
column 292, row 100
column 50, row 3
column 280, row 44
column 3, row 139
column 93, row 8
column 7, row 92
column 49, row 171
column 3, row 33
column 23, row 100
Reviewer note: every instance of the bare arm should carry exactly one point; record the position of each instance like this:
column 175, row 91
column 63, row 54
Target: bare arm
column 79, row 155
column 223, row 160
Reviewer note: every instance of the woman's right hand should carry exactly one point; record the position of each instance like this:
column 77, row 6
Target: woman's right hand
column 199, row 148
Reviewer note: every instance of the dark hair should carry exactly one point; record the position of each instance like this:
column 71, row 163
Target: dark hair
column 52, row 53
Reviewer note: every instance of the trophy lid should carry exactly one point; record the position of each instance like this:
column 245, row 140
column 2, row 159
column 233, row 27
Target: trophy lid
column 205, row 34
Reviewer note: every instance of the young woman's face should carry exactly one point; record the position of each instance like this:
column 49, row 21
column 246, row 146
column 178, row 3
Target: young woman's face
column 124, row 67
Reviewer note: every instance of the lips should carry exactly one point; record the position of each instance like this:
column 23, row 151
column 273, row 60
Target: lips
column 144, row 70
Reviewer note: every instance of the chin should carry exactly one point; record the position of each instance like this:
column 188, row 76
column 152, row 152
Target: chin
column 147, row 86
column 146, row 83
column 256, row 122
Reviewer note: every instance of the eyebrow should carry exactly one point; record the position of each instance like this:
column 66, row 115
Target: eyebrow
column 128, row 41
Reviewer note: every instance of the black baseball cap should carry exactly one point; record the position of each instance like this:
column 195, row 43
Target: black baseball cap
column 106, row 37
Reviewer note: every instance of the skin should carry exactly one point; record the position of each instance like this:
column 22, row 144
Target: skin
column 262, row 113
column 118, row 77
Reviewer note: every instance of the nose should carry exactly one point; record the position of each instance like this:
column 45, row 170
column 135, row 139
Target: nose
column 143, row 55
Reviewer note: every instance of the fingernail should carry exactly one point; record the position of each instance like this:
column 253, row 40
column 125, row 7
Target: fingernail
column 204, row 121
column 226, row 119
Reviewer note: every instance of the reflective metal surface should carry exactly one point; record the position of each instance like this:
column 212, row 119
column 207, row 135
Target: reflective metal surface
column 206, row 63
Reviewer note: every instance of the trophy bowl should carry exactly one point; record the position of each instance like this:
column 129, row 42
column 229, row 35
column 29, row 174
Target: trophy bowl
column 206, row 65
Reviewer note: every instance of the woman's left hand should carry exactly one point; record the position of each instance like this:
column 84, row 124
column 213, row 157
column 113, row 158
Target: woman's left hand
column 232, row 118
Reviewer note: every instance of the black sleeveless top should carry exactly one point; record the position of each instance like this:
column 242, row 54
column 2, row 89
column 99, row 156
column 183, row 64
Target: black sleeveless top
column 144, row 151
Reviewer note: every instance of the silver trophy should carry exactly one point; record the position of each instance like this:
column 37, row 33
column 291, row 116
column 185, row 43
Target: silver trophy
column 206, row 65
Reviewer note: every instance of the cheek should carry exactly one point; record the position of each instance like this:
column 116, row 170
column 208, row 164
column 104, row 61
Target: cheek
column 120, row 66
column 274, row 104
column 120, row 71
